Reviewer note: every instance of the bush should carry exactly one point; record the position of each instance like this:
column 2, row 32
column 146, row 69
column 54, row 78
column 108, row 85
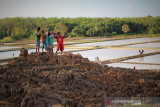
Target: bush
column 114, row 33
column 32, row 37
column 6, row 39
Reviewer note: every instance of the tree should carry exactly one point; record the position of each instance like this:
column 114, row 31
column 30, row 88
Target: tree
column 18, row 33
column 20, row 28
column 62, row 28
column 125, row 28
column 76, row 31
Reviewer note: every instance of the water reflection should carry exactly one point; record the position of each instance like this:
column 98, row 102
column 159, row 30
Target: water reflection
column 141, row 59
column 137, row 66
column 116, row 42
column 148, row 59
column 10, row 54
column 145, row 45
column 5, row 47
column 106, row 54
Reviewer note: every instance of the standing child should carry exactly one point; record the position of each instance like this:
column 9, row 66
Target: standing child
column 52, row 37
column 43, row 36
column 49, row 43
column 46, row 39
column 60, row 42
column 38, row 36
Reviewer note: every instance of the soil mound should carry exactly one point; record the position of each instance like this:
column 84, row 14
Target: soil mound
column 46, row 79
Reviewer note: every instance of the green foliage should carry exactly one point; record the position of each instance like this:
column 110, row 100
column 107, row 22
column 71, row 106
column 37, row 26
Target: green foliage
column 17, row 33
column 32, row 37
column 61, row 27
column 114, row 33
column 19, row 28
column 76, row 31
column 125, row 28
column 6, row 39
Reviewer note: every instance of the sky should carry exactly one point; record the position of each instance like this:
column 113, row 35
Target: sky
column 79, row 8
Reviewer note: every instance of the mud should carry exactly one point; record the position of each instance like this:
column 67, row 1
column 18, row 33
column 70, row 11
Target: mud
column 46, row 79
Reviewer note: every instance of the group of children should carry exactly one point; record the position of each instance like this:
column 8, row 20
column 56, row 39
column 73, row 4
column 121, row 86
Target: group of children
column 47, row 40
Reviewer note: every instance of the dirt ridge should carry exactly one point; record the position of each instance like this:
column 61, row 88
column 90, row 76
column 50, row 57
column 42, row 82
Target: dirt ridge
column 47, row 79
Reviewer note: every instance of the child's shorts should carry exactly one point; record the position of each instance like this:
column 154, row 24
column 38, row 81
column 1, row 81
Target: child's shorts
column 60, row 47
column 38, row 43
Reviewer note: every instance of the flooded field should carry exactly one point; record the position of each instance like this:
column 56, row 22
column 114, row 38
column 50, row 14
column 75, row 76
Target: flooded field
column 55, row 43
column 86, row 39
column 106, row 54
column 148, row 59
column 9, row 54
column 5, row 47
column 110, row 53
column 145, row 45
column 137, row 66
column 116, row 42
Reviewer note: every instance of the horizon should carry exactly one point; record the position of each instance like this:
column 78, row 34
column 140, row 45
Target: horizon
column 79, row 8
column 76, row 17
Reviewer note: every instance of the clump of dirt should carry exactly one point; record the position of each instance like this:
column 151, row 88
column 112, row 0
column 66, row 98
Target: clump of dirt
column 23, row 52
column 46, row 79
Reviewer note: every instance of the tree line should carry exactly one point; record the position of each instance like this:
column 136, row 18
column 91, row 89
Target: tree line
column 23, row 28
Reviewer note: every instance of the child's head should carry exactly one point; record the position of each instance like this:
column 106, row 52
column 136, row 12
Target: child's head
column 58, row 33
column 51, row 32
column 38, row 29
column 43, row 31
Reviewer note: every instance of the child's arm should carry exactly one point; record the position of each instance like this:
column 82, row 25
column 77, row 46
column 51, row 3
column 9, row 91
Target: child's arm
column 55, row 36
column 66, row 36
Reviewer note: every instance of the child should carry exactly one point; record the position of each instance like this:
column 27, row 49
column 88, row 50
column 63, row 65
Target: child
column 52, row 35
column 49, row 42
column 43, row 36
column 38, row 36
column 60, row 42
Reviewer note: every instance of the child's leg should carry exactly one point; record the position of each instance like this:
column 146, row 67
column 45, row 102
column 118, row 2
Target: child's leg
column 36, row 49
column 38, row 45
column 42, row 46
column 57, row 48
column 61, row 48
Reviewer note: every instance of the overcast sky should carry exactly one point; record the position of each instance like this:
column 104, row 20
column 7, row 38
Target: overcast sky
column 79, row 8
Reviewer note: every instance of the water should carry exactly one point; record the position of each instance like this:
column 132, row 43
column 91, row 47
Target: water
column 3, row 63
column 9, row 54
column 55, row 43
column 106, row 54
column 146, row 45
column 115, row 42
column 148, row 59
column 87, row 39
column 8, row 43
column 5, row 47
column 137, row 66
